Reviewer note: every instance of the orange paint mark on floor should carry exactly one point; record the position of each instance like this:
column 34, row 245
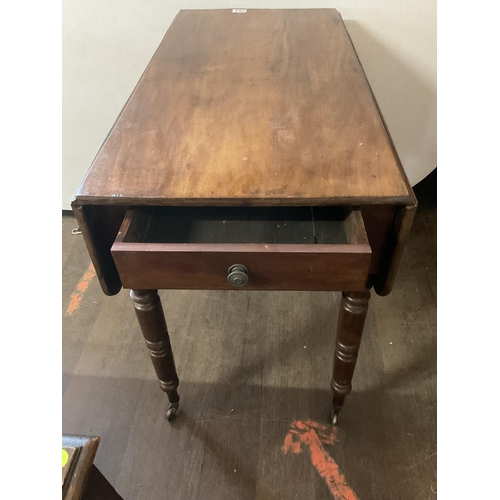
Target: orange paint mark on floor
column 313, row 435
column 81, row 288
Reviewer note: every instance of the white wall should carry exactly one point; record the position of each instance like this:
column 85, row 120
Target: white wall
column 107, row 45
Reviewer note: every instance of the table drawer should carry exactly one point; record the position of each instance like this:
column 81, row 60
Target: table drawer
column 249, row 248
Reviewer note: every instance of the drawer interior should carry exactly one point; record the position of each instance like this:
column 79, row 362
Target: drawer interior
column 282, row 248
column 240, row 225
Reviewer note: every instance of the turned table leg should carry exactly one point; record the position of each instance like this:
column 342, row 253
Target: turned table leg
column 149, row 312
column 349, row 331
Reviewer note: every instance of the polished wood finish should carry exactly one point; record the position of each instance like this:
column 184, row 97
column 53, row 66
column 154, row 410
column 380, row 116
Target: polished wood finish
column 395, row 245
column 263, row 108
column 99, row 226
column 350, row 326
column 378, row 221
column 151, row 319
column 271, row 266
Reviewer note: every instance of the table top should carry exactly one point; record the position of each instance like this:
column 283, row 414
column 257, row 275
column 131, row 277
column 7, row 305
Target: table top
column 258, row 107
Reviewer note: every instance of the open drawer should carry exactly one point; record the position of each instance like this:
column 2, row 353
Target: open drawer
column 252, row 248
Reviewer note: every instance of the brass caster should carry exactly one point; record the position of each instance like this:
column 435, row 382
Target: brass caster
column 335, row 417
column 172, row 410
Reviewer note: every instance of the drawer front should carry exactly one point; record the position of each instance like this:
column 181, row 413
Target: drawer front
column 273, row 267
column 205, row 266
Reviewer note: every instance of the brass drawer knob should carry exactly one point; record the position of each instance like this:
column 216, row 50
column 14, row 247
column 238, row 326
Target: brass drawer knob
column 237, row 275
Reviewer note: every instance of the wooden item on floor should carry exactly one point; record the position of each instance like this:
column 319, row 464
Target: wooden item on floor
column 251, row 155
column 80, row 477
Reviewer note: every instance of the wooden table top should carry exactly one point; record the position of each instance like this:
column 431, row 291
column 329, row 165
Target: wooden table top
column 258, row 108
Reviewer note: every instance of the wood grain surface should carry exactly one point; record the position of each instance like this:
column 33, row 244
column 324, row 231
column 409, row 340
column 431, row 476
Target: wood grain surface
column 263, row 107
column 279, row 262
column 271, row 267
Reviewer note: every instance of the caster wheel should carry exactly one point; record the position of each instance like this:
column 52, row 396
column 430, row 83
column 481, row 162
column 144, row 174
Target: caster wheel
column 335, row 418
column 172, row 410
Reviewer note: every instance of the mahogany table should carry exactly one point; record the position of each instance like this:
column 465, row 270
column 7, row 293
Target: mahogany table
column 251, row 155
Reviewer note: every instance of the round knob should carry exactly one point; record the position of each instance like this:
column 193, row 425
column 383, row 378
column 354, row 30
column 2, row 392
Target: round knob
column 237, row 275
